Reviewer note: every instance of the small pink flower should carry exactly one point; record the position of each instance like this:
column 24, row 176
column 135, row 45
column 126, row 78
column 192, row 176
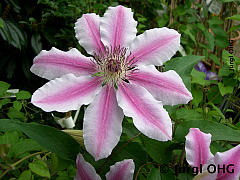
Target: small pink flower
column 198, row 154
column 123, row 170
column 119, row 78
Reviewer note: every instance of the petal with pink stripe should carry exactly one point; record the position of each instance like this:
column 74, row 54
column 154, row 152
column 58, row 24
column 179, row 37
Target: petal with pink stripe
column 66, row 93
column 148, row 114
column 123, row 170
column 55, row 63
column 197, row 148
column 155, row 46
column 231, row 160
column 102, row 126
column 87, row 29
column 85, row 171
column 167, row 87
column 118, row 28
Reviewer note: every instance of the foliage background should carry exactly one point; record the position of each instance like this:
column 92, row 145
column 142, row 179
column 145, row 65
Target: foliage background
column 30, row 146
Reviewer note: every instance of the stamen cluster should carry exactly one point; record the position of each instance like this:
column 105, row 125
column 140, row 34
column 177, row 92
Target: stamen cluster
column 114, row 64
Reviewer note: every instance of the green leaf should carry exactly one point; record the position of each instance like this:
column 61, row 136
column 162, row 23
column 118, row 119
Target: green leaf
column 13, row 34
column 36, row 43
column 208, row 36
column 224, row 71
column 225, row 89
column 23, row 95
column 210, row 39
column 4, row 102
column 26, row 175
column 22, row 146
column 3, row 87
column 48, row 137
column 183, row 66
column 198, row 77
column 188, row 114
column 154, row 174
column 9, row 137
column 1, row 23
column 197, row 96
column 215, row 59
column 235, row 17
column 161, row 174
column 215, row 20
column 40, row 167
column 218, row 110
column 190, row 34
column 15, row 114
column 17, row 105
column 158, row 151
column 218, row 131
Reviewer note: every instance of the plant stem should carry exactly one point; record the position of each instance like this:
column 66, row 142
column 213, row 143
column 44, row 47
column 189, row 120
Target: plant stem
column 12, row 166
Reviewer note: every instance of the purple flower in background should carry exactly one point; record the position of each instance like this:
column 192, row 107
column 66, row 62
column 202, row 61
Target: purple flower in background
column 209, row 74
column 118, row 79
column 123, row 170
column 198, row 154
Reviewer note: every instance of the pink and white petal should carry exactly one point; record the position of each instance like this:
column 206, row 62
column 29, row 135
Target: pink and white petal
column 85, row 171
column 102, row 125
column 66, row 93
column 87, row 29
column 148, row 114
column 197, row 148
column 155, row 46
column 118, row 28
column 167, row 87
column 123, row 170
column 55, row 63
column 231, row 160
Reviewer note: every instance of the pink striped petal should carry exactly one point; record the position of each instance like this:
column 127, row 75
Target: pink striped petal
column 227, row 159
column 85, row 171
column 197, row 148
column 66, row 93
column 167, row 87
column 123, row 170
column 148, row 114
column 102, row 126
column 55, row 63
column 87, row 29
column 155, row 46
column 118, row 28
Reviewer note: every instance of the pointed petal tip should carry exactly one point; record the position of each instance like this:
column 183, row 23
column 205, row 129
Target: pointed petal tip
column 197, row 147
column 122, row 170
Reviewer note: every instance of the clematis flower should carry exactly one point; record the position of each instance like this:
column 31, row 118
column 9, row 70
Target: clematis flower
column 222, row 166
column 123, row 170
column 118, row 78
column 209, row 74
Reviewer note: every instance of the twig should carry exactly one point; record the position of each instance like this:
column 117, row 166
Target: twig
column 18, row 162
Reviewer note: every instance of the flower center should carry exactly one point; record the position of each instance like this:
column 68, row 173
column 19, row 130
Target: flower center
column 114, row 65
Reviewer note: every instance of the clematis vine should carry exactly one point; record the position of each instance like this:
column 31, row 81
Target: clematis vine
column 119, row 78
column 222, row 166
column 123, row 170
